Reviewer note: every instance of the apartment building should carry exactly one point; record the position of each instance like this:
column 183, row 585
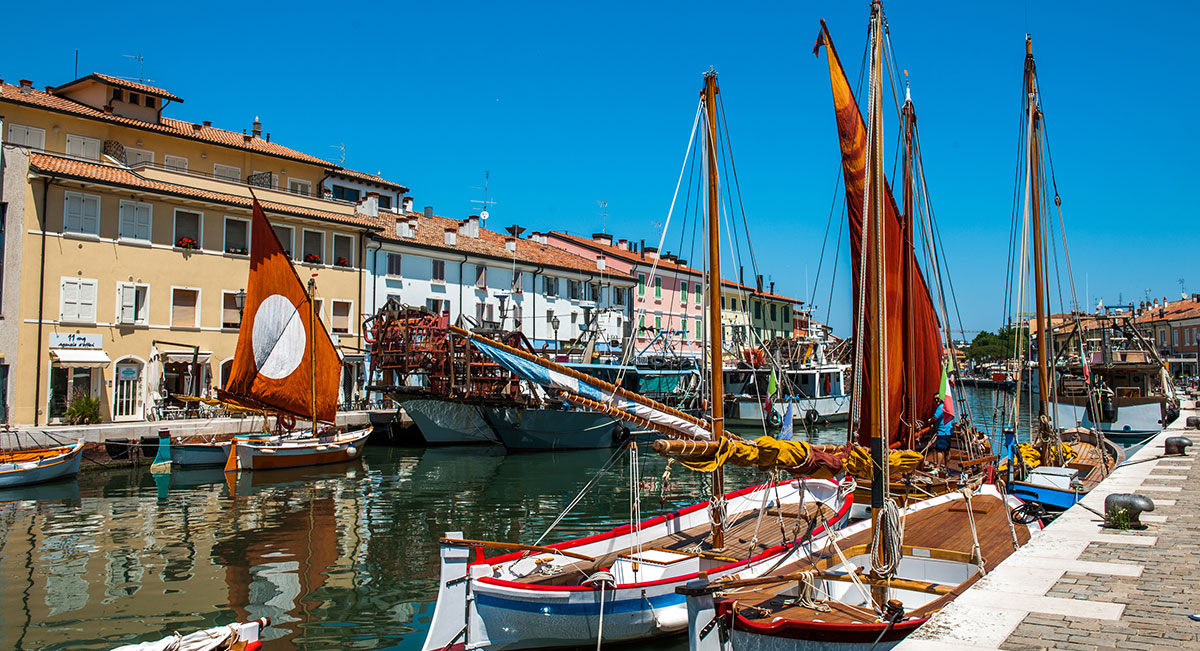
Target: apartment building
column 498, row 280
column 1174, row 329
column 126, row 234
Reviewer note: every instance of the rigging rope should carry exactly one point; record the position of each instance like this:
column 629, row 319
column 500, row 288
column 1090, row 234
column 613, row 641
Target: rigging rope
column 887, row 543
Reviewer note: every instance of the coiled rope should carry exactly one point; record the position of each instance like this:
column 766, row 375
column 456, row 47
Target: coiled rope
column 888, row 542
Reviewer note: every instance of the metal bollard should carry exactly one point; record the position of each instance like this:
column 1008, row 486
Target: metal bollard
column 1123, row 510
column 1177, row 445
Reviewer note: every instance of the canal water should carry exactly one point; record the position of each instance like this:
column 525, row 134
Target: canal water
column 341, row 556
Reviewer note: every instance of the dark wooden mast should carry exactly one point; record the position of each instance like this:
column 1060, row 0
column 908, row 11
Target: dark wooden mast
column 714, row 299
column 1033, row 169
column 912, row 408
column 874, row 259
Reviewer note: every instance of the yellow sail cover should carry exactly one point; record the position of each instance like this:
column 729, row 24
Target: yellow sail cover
column 767, row 452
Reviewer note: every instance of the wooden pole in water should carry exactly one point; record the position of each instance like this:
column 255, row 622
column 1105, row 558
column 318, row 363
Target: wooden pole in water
column 714, row 298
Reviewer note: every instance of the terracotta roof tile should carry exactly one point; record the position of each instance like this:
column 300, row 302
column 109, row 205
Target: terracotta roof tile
column 369, row 178
column 1173, row 311
column 123, row 83
column 179, row 128
column 88, row 171
column 431, row 233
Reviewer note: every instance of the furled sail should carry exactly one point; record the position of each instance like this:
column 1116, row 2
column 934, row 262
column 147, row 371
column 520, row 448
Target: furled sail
column 918, row 307
column 285, row 360
column 590, row 392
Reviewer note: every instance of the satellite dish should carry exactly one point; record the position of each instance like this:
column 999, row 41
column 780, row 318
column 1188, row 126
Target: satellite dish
column 483, row 214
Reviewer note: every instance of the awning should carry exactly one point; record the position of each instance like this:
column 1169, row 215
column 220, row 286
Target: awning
column 180, row 357
column 80, row 357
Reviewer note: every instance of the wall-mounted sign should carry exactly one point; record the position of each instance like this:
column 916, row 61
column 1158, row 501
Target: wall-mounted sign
column 72, row 340
column 128, row 371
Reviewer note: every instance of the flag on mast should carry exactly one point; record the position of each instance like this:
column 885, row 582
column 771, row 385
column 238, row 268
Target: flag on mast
column 944, row 392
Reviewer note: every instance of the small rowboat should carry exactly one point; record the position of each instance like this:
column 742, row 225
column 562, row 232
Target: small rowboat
column 240, row 637
column 40, row 465
column 294, row 453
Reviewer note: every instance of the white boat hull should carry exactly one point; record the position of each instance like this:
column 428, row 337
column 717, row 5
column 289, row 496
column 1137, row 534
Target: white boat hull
column 442, row 422
column 1144, row 418
column 552, row 429
column 749, row 412
column 481, row 605
column 60, row 466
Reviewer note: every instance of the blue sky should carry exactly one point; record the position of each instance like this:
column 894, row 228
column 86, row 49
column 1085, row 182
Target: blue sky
column 569, row 103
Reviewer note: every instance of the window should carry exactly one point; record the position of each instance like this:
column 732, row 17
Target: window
column 485, row 312
column 619, row 295
column 343, row 250
column 231, row 317
column 641, row 322
column 393, row 265
column 340, row 317
column 177, row 163
column 83, row 147
column 658, row 287
column 31, row 137
column 345, row 194
column 118, row 95
column 684, row 324
column 314, row 247
column 81, row 213
column 518, row 281
column 438, row 272
column 574, row 290
column 135, row 156
column 237, row 236
column 698, row 291
column 436, row 305
column 641, row 284
column 683, row 293
column 1174, row 337
column 300, row 186
column 133, row 304
column 187, row 229
column 757, row 309
column 227, row 172
column 285, row 235
column 385, row 201
column 319, row 308
column 480, row 276
column 134, row 98
column 658, row 320
column 185, row 307
column 77, row 302
column 699, row 329
column 150, row 102
column 774, row 312
column 135, row 220
column 550, row 286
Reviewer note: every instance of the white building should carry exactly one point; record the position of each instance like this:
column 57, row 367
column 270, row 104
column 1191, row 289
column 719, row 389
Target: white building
column 463, row 269
column 353, row 187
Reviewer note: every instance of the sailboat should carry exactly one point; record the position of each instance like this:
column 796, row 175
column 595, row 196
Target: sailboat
column 1055, row 468
column 620, row 585
column 876, row 581
column 285, row 363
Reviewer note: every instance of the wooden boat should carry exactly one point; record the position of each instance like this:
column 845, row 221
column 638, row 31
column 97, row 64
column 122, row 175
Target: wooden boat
column 620, row 585
column 239, row 637
column 1054, row 468
column 285, row 363
column 826, row 598
column 39, row 465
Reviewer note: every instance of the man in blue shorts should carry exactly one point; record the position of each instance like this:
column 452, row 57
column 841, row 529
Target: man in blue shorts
column 945, row 429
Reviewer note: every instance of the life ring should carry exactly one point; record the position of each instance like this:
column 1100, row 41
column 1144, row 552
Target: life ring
column 286, row 421
column 812, row 416
column 774, row 418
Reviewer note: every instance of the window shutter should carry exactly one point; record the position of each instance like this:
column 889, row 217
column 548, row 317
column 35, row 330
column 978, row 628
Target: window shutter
column 143, row 221
column 128, row 304
column 69, row 303
column 128, row 220
column 87, row 302
column 91, row 215
column 74, row 211
column 229, row 311
column 183, row 308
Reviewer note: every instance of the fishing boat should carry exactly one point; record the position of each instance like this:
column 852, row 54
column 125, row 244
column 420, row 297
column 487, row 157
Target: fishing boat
column 1055, row 466
column 39, row 465
column 285, row 363
column 240, row 636
column 873, row 583
column 619, row 585
column 817, row 392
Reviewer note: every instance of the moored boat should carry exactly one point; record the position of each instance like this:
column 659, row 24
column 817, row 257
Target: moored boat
column 292, row 453
column 39, row 465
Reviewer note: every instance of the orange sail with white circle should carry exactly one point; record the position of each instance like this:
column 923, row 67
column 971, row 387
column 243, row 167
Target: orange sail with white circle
column 285, row 359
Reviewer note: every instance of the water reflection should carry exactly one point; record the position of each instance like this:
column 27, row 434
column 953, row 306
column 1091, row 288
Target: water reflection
column 336, row 556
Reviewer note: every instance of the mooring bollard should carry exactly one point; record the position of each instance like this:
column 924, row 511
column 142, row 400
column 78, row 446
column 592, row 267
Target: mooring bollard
column 162, row 460
column 1177, row 445
column 1123, row 510
column 1193, row 422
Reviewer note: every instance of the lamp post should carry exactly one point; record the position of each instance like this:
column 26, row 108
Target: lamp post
column 554, row 323
column 239, row 300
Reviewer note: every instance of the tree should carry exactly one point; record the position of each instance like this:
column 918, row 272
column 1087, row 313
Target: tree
column 989, row 347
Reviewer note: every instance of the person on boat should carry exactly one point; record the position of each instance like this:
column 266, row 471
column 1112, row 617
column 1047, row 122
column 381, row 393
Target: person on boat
column 945, row 431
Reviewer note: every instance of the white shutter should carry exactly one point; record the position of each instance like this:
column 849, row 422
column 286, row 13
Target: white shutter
column 90, row 221
column 87, row 301
column 128, row 304
column 73, row 212
column 128, row 219
column 143, row 221
column 69, row 301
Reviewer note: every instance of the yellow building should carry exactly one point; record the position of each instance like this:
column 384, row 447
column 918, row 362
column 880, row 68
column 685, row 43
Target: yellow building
column 752, row 317
column 125, row 242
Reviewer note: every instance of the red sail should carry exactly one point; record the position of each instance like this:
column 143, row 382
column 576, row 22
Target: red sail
column 279, row 339
column 852, row 133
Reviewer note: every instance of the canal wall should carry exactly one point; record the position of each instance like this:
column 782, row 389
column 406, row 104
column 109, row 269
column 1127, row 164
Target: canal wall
column 1077, row 585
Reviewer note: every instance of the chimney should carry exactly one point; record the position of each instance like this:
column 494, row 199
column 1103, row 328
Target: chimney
column 247, row 137
column 451, row 236
column 772, row 286
column 369, row 205
column 1196, row 298
column 510, row 243
column 257, row 129
column 406, row 204
column 208, row 123
column 650, row 252
column 623, row 244
column 26, row 86
column 602, row 238
column 758, row 283
column 108, row 109
column 429, row 212
column 268, row 136
column 601, row 263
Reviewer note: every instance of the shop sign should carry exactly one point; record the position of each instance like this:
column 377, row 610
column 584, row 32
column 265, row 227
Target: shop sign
column 73, row 340
column 127, row 372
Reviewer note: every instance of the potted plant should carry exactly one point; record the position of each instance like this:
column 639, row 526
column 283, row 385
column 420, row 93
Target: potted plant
column 236, row 250
column 82, row 409
column 342, row 262
column 312, row 258
column 187, row 243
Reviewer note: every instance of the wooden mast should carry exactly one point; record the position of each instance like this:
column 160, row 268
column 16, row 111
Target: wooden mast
column 1033, row 169
column 714, row 299
column 912, row 406
column 312, row 350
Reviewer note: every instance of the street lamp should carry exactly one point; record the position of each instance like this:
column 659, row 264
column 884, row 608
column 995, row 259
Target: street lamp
column 554, row 323
column 239, row 300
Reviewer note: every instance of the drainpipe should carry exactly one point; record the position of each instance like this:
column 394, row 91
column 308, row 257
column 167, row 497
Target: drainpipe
column 37, row 387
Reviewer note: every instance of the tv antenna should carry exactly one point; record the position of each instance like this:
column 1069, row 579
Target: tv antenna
column 141, row 66
column 341, row 147
column 486, row 202
column 603, row 203
column 1182, row 289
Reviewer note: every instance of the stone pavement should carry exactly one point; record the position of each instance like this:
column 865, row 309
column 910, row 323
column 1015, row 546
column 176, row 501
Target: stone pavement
column 1079, row 586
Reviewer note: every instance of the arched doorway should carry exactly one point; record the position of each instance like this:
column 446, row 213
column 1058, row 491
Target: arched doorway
column 226, row 368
